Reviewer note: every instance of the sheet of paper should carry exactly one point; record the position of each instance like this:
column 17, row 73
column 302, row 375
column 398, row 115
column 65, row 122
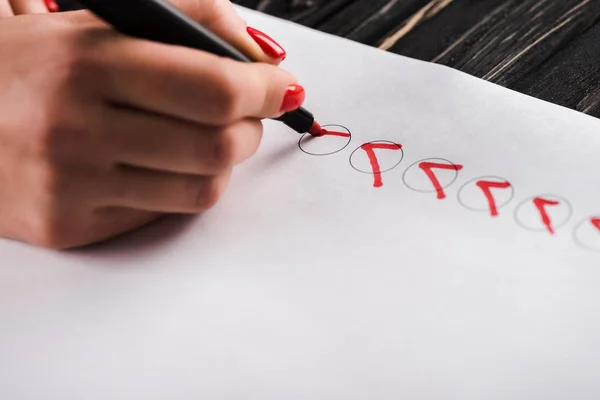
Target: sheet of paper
column 316, row 278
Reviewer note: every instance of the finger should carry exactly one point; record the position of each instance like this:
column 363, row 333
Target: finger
column 5, row 9
column 220, row 17
column 112, row 221
column 164, row 192
column 29, row 6
column 194, row 85
column 156, row 142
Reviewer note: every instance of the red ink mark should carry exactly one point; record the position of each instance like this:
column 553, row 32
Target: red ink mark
column 369, row 148
column 427, row 167
column 316, row 129
column 334, row 133
column 541, row 205
column 486, row 187
column 596, row 223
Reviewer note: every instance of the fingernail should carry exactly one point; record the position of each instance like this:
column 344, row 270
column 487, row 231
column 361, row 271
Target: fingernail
column 267, row 44
column 52, row 6
column 293, row 99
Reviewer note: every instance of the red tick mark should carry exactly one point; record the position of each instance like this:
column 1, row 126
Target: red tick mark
column 596, row 223
column 325, row 132
column 542, row 204
column 428, row 167
column 486, row 187
column 370, row 148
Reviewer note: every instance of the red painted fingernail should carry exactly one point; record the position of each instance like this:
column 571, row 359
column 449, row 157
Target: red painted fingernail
column 52, row 6
column 294, row 97
column 267, row 44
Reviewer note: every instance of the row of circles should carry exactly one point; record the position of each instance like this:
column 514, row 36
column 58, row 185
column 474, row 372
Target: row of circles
column 586, row 235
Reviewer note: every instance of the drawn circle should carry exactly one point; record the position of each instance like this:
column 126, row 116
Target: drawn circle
column 415, row 179
column 587, row 236
column 325, row 145
column 528, row 216
column 471, row 197
column 387, row 160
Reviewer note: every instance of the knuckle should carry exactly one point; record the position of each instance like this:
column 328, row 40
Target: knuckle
column 208, row 194
column 49, row 234
column 49, row 229
column 57, row 139
column 227, row 98
column 76, row 60
column 224, row 151
column 76, row 69
column 52, row 131
column 48, row 136
column 61, row 205
column 269, row 85
column 257, row 128
column 271, row 92
column 48, row 181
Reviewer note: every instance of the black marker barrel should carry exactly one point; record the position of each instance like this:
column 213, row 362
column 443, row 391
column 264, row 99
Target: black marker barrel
column 160, row 21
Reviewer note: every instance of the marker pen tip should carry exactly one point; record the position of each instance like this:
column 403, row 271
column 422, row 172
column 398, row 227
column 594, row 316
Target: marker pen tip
column 316, row 129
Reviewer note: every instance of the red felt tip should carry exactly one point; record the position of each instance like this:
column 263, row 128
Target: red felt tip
column 316, row 129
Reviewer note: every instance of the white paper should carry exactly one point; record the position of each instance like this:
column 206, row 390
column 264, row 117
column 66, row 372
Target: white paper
column 307, row 282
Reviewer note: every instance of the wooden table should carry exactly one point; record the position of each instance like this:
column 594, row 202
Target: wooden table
column 548, row 49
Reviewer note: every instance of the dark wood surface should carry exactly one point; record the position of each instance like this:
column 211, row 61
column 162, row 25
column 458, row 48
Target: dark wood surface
column 548, row 49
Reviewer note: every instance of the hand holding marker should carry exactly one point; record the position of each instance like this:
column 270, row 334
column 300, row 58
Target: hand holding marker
column 160, row 21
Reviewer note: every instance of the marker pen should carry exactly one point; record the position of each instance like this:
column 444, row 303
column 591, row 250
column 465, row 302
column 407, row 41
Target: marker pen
column 160, row 21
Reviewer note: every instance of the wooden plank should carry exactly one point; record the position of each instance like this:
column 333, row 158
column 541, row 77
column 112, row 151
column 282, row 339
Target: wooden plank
column 430, row 35
column 320, row 12
column 571, row 77
column 505, row 43
column 277, row 8
column 368, row 22
column 288, row 9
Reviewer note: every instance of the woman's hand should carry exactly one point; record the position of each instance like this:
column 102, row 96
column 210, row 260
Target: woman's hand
column 216, row 15
column 101, row 133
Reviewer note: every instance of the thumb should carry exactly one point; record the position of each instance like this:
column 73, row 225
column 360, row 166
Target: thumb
column 220, row 17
